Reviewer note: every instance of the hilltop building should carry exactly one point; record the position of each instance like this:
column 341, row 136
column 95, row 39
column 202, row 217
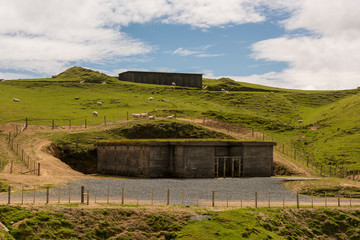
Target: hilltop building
column 163, row 78
column 185, row 159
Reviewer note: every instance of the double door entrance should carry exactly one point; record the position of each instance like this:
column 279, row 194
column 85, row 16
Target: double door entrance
column 228, row 167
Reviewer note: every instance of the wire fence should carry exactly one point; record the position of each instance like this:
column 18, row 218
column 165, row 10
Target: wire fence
column 289, row 150
column 159, row 196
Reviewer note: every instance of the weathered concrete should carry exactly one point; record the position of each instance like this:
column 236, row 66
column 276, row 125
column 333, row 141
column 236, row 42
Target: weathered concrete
column 163, row 78
column 186, row 159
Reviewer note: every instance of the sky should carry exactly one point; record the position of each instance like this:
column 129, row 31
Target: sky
column 298, row 44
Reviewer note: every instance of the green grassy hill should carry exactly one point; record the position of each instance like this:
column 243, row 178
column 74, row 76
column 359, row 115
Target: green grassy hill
column 329, row 131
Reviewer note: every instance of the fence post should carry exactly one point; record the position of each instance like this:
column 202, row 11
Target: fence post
column 34, row 195
column 9, row 195
column 312, row 199
column 58, row 195
column 82, row 194
column 122, row 196
column 69, row 193
column 295, row 154
column 338, row 200
column 22, row 195
column 26, row 123
column 108, row 193
column 47, row 195
column 38, row 169
column 11, row 167
column 52, row 124
column 137, row 197
column 168, row 197
column 87, row 197
column 85, row 123
column 213, row 198
column 127, row 116
column 256, row 199
column 297, row 200
column 152, row 196
column 283, row 199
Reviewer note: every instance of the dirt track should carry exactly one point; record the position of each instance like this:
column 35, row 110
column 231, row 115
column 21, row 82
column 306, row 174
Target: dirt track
column 53, row 170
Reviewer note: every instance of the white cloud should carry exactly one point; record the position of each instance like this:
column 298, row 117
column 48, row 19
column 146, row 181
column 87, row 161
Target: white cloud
column 197, row 52
column 48, row 36
column 184, row 52
column 324, row 58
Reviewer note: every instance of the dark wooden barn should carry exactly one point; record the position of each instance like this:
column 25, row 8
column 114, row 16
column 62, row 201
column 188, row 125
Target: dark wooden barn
column 163, row 78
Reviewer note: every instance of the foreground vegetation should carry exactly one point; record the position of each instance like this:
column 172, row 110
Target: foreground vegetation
column 121, row 222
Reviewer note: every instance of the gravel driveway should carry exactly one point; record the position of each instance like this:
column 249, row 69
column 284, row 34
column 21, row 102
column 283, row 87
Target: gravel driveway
column 228, row 191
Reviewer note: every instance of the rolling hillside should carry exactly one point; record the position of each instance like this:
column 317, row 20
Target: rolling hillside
column 329, row 131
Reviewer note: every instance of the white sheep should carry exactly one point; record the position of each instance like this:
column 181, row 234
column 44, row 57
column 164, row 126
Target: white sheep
column 223, row 90
column 82, row 82
column 16, row 100
column 150, row 98
column 103, row 83
column 136, row 115
column 170, row 117
column 227, row 93
column 152, row 117
column 164, row 100
column 172, row 87
column 95, row 113
column 99, row 103
column 144, row 115
column 173, row 84
column 204, row 87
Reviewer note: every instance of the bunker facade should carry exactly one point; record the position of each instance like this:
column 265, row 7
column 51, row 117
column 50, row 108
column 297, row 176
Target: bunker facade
column 186, row 159
column 163, row 78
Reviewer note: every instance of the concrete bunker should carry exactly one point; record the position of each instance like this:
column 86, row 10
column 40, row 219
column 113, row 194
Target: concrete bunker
column 185, row 159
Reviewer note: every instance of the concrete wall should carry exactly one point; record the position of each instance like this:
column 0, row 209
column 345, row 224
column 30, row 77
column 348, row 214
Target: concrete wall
column 181, row 79
column 190, row 159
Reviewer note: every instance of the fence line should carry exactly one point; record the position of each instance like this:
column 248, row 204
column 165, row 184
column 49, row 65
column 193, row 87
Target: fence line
column 339, row 170
column 173, row 197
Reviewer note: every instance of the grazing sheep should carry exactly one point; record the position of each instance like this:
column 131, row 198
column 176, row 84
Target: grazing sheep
column 16, row 100
column 99, row 103
column 164, row 100
column 223, row 90
column 152, row 117
column 76, row 98
column 95, row 113
column 173, row 84
column 150, row 98
column 103, row 83
column 81, row 82
column 300, row 121
column 144, row 115
column 227, row 93
column 136, row 115
column 170, row 117
column 204, row 87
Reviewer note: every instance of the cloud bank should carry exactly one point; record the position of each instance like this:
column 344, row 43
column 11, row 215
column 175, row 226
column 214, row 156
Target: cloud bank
column 320, row 45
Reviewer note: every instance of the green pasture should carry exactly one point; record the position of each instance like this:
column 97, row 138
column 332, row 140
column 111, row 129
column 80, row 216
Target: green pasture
column 329, row 131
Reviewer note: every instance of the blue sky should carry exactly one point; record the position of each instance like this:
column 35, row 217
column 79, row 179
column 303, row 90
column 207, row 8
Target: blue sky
column 301, row 44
